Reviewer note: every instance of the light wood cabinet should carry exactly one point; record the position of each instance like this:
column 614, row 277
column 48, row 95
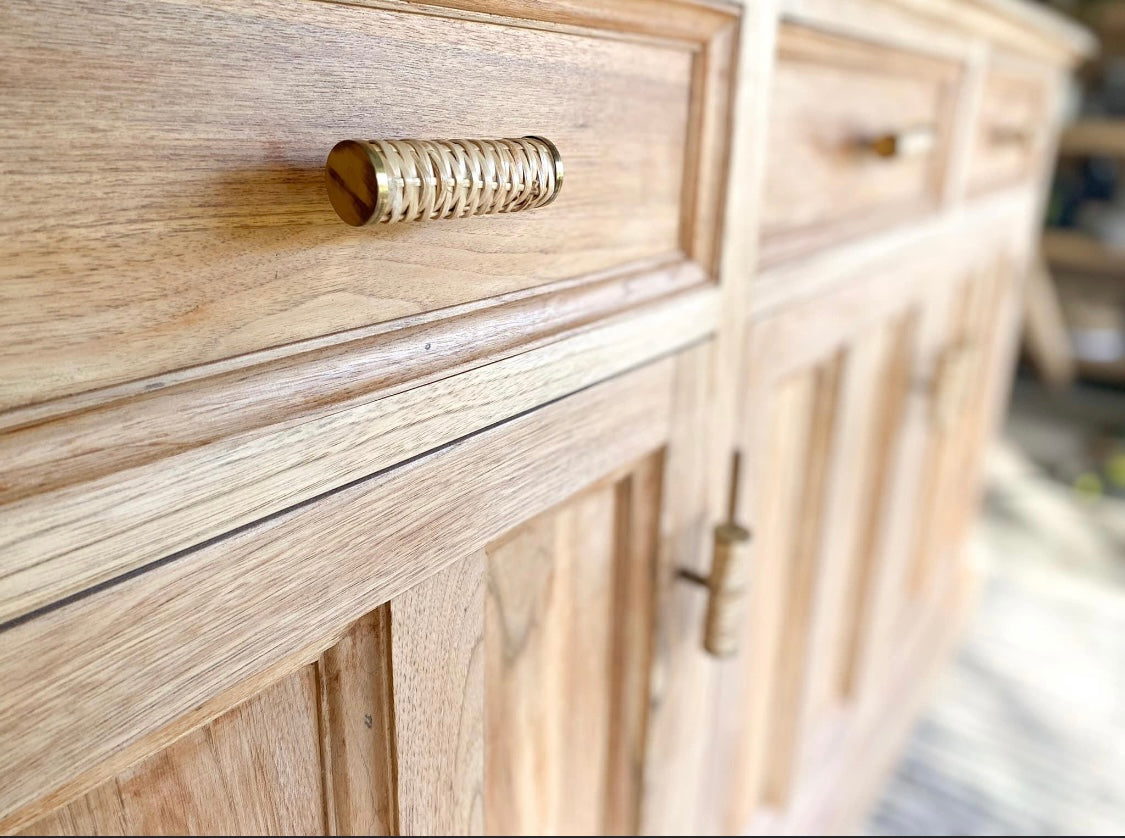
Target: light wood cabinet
column 409, row 529
column 864, row 415
column 485, row 662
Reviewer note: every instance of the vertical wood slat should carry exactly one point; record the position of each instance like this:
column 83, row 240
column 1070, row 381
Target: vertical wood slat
column 986, row 396
column 437, row 653
column 884, row 438
column 568, row 640
column 887, row 592
column 785, row 733
column 850, row 484
column 637, row 511
column 929, row 538
column 358, row 729
column 547, row 623
column 783, row 457
column 253, row 770
column 681, row 679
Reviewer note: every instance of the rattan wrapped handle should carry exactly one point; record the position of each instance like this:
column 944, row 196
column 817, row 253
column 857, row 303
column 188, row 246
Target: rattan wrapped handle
column 727, row 590
column 387, row 181
column 911, row 142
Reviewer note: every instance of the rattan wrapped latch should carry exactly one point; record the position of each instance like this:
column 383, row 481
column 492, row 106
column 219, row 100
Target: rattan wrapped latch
column 728, row 583
column 387, row 181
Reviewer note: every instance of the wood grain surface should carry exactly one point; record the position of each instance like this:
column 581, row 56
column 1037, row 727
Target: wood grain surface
column 149, row 480
column 831, row 95
column 201, row 230
column 254, row 770
column 108, row 679
column 438, row 660
column 1011, row 130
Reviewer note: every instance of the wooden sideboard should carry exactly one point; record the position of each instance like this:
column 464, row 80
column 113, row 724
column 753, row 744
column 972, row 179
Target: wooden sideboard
column 409, row 528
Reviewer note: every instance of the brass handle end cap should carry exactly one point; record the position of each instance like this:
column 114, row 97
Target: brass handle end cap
column 357, row 181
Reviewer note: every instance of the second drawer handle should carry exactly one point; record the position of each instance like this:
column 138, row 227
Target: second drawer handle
column 388, row 181
column 1010, row 136
column 911, row 142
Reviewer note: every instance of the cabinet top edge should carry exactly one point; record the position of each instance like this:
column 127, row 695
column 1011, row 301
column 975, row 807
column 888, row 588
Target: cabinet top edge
column 1003, row 22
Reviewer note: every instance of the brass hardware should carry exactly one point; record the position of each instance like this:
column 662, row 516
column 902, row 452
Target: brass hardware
column 1010, row 135
column 730, row 578
column 912, row 142
column 728, row 582
column 387, row 181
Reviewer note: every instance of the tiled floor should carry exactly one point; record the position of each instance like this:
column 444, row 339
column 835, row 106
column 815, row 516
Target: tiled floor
column 1026, row 733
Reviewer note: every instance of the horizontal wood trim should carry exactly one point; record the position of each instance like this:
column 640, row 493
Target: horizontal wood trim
column 95, row 495
column 948, row 26
column 804, row 279
column 691, row 21
column 94, row 685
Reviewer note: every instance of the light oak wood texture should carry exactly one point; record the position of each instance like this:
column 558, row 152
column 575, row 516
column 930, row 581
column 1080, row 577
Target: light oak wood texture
column 358, row 729
column 641, row 502
column 1012, row 128
column 400, row 469
column 779, row 287
column 677, row 759
column 438, row 654
column 190, row 483
column 826, row 372
column 837, row 795
column 549, row 610
column 831, row 97
column 802, row 576
column 949, row 25
column 216, row 239
column 278, row 593
column 254, row 770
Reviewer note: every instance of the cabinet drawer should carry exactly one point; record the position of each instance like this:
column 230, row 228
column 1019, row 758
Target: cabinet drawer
column 164, row 202
column 839, row 107
column 1010, row 129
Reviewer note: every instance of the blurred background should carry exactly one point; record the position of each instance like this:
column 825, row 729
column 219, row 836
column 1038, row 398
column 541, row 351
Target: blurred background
column 1026, row 733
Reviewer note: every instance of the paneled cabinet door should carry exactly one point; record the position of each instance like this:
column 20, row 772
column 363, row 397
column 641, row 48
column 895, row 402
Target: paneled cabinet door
column 864, row 417
column 472, row 642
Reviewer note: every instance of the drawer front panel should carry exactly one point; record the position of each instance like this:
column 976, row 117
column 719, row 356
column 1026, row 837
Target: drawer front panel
column 1011, row 129
column 164, row 202
column 833, row 99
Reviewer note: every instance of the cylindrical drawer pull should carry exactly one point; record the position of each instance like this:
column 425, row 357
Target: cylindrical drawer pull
column 913, row 142
column 1009, row 135
column 730, row 578
column 387, row 181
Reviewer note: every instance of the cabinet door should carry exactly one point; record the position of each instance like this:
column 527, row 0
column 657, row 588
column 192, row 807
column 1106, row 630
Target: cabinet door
column 865, row 412
column 463, row 644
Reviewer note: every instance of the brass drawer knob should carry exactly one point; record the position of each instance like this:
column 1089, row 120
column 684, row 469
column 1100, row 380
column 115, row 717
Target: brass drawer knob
column 912, row 142
column 387, row 181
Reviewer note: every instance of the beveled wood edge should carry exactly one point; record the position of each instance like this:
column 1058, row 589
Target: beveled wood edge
column 103, row 681
column 796, row 280
column 691, row 22
column 169, row 414
column 961, row 26
column 148, row 478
